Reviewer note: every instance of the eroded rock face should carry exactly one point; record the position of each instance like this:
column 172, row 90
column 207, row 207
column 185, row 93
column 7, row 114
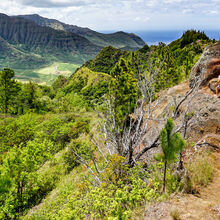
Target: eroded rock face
column 203, row 104
column 207, row 67
column 204, row 123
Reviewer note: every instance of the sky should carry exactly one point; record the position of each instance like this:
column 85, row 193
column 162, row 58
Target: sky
column 123, row 14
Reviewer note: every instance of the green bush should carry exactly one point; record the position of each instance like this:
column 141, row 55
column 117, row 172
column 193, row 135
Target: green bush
column 78, row 147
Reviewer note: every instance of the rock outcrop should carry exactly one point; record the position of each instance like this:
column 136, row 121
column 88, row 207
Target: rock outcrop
column 207, row 67
column 202, row 104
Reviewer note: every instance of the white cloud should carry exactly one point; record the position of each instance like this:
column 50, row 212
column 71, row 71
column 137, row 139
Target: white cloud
column 122, row 14
column 137, row 19
column 187, row 11
column 173, row 1
column 146, row 19
column 212, row 12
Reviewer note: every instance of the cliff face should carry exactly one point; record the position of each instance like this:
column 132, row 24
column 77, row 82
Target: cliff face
column 118, row 39
column 202, row 103
column 17, row 30
column 208, row 66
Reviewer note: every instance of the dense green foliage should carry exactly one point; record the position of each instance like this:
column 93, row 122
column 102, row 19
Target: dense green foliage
column 122, row 90
column 176, row 59
column 46, row 133
column 8, row 89
column 106, row 59
column 26, row 144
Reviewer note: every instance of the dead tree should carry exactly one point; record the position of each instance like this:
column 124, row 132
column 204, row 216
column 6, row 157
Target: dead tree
column 127, row 139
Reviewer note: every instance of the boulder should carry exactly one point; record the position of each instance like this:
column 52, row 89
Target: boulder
column 213, row 84
column 207, row 67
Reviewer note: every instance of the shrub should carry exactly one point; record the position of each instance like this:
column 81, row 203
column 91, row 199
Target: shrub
column 200, row 170
column 175, row 214
column 82, row 148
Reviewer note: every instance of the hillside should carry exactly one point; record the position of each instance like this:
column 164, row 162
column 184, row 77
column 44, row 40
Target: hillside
column 35, row 46
column 129, row 135
column 203, row 127
column 118, row 39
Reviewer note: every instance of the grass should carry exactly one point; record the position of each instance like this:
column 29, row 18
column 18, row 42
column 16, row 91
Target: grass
column 201, row 170
column 59, row 69
column 175, row 214
column 46, row 75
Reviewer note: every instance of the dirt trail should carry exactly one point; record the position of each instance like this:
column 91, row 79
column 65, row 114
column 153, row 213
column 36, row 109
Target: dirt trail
column 205, row 205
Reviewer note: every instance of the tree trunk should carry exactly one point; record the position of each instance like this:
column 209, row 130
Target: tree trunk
column 164, row 176
column 180, row 165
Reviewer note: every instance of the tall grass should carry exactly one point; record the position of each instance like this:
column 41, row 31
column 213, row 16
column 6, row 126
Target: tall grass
column 201, row 170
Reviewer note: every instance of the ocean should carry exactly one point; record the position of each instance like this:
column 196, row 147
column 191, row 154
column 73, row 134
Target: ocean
column 154, row 37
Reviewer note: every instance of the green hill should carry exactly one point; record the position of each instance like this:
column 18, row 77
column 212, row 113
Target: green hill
column 31, row 43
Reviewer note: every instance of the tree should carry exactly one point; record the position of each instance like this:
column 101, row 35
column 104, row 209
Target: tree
column 8, row 88
column 125, row 137
column 18, row 175
column 171, row 144
column 122, row 90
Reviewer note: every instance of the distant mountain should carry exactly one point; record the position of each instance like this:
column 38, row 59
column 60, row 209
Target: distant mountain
column 17, row 30
column 26, row 46
column 31, row 43
column 118, row 39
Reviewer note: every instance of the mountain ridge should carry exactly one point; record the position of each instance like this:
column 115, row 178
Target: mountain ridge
column 28, row 47
column 118, row 39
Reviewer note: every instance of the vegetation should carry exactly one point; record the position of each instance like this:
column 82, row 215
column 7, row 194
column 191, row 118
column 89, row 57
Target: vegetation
column 200, row 170
column 55, row 151
column 8, row 88
column 171, row 144
column 122, row 90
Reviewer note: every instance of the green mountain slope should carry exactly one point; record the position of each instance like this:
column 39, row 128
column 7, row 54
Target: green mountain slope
column 27, row 47
column 31, row 36
column 47, row 131
column 118, row 39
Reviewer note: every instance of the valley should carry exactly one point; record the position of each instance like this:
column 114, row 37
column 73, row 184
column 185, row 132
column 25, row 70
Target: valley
column 30, row 43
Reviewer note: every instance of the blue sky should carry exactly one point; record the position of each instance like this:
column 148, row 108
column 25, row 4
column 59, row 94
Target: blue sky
column 123, row 14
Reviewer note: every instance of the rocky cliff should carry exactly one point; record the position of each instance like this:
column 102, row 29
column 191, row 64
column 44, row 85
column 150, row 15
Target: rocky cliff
column 197, row 100
column 208, row 66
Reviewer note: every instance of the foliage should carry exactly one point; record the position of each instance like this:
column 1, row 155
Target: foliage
column 122, row 90
column 122, row 190
column 192, row 36
column 59, row 83
column 171, row 144
column 14, row 132
column 46, row 127
column 8, row 89
column 91, row 86
column 106, row 60
column 27, row 142
column 77, row 147
column 18, row 166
